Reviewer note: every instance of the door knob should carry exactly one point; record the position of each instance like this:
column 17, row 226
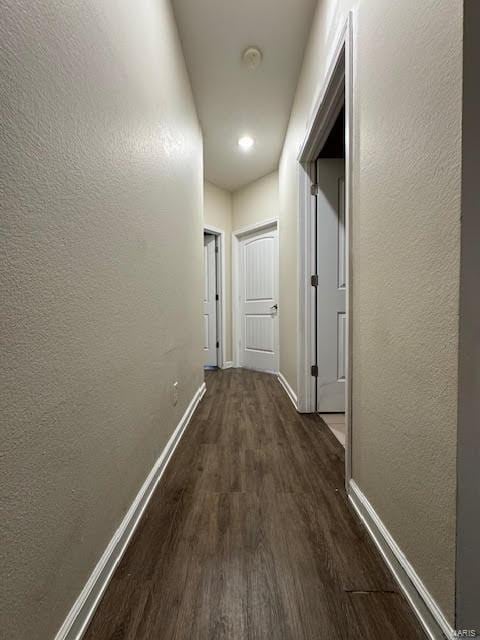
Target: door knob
column 275, row 307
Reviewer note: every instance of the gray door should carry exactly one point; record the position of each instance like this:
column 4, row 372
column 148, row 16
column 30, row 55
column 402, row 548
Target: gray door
column 331, row 298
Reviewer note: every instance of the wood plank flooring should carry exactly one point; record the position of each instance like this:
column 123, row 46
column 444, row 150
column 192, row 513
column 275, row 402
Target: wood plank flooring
column 250, row 535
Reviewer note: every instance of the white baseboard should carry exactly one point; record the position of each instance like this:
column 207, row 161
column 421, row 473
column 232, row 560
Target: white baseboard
column 84, row 607
column 424, row 606
column 228, row 364
column 290, row 392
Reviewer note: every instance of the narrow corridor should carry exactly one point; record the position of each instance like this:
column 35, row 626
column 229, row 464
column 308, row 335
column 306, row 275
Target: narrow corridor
column 250, row 535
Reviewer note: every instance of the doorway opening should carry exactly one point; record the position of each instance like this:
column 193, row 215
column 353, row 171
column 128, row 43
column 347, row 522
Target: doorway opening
column 255, row 295
column 213, row 299
column 325, row 278
column 330, row 280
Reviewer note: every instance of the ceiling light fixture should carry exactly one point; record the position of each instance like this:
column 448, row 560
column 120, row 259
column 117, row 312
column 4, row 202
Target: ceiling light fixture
column 245, row 143
column 252, row 57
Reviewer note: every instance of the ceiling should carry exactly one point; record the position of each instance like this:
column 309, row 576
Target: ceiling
column 233, row 100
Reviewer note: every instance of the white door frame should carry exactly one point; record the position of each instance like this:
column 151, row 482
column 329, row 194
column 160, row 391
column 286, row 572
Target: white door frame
column 236, row 237
column 220, row 274
column 338, row 89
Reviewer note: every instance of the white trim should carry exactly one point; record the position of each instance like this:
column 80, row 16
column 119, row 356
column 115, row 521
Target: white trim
column 339, row 87
column 209, row 228
column 329, row 102
column 221, row 285
column 423, row 604
column 84, row 607
column 256, row 226
column 350, row 154
column 236, row 237
column 228, row 364
column 290, row 392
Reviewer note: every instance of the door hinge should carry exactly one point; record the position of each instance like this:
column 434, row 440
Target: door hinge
column 314, row 280
column 216, row 249
column 216, row 296
column 314, row 189
column 314, row 370
column 218, row 345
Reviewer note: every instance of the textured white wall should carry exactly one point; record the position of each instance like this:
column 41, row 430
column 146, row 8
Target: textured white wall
column 218, row 213
column 102, row 199
column 256, row 201
column 406, row 225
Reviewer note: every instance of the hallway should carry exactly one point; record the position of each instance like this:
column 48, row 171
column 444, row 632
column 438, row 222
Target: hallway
column 250, row 535
column 285, row 193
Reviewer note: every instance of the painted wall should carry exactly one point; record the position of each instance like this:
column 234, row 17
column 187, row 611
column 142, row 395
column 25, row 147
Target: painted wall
column 256, row 201
column 218, row 213
column 406, row 239
column 102, row 197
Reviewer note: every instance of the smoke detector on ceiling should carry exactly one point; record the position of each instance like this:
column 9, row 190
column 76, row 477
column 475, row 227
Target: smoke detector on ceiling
column 252, row 57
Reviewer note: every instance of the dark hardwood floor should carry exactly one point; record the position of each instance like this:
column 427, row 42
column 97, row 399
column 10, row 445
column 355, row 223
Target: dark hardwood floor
column 250, row 535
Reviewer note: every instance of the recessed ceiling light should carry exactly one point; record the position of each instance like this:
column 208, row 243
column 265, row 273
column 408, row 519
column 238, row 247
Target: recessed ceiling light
column 245, row 143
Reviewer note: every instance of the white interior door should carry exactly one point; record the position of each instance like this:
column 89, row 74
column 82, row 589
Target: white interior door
column 258, row 300
column 331, row 294
column 209, row 302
